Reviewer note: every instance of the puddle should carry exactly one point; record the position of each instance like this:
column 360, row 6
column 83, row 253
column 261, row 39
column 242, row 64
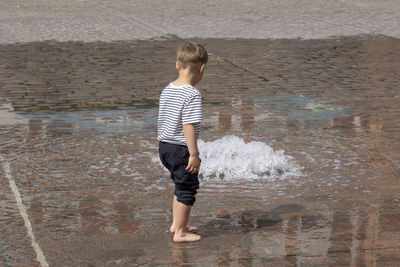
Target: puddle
column 101, row 121
column 303, row 108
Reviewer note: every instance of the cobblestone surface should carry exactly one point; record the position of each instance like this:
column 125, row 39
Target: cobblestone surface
column 106, row 20
column 82, row 151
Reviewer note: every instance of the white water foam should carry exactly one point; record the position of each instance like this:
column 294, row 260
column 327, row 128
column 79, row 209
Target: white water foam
column 230, row 158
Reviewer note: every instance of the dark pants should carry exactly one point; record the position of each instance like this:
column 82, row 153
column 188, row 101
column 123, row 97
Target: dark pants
column 175, row 158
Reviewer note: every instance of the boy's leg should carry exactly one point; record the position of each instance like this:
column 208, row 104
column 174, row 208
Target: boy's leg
column 175, row 159
column 173, row 226
column 181, row 214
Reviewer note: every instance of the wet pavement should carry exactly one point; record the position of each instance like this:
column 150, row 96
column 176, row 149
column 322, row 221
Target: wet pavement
column 81, row 146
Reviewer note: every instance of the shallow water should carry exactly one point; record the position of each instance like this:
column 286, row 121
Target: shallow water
column 123, row 143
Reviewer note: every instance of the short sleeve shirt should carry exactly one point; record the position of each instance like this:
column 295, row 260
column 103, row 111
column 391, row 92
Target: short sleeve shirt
column 178, row 105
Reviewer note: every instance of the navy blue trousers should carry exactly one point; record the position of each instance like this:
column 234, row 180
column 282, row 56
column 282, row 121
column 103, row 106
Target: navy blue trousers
column 175, row 158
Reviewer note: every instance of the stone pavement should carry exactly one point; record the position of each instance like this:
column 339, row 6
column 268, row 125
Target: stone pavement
column 84, row 155
column 78, row 97
column 108, row 20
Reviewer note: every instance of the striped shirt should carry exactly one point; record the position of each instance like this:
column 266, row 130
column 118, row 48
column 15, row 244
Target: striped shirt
column 178, row 105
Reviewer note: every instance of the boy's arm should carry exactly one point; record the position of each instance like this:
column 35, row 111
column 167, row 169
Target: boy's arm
column 191, row 141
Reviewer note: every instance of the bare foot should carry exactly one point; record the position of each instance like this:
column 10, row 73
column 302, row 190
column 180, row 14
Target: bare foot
column 186, row 237
column 188, row 229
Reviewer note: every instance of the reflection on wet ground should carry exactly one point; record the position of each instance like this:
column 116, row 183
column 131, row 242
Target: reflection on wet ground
column 84, row 154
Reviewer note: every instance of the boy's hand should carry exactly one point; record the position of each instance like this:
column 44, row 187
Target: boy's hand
column 191, row 140
column 194, row 164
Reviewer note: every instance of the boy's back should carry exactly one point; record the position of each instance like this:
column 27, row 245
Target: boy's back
column 178, row 105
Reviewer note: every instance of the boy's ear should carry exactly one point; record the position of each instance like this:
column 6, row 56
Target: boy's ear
column 202, row 67
column 177, row 66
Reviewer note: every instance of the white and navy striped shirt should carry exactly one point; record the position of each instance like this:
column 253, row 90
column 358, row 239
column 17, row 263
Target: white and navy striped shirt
column 178, row 105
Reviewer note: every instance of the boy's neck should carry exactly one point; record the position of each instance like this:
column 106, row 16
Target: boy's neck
column 186, row 78
column 181, row 81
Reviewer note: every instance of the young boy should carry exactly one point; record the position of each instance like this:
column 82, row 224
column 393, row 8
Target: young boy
column 179, row 117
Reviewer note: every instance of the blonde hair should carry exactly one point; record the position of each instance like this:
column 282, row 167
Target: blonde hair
column 191, row 55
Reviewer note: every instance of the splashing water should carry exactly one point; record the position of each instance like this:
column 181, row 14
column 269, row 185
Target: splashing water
column 230, row 158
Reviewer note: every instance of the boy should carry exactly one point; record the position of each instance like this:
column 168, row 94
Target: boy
column 179, row 117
